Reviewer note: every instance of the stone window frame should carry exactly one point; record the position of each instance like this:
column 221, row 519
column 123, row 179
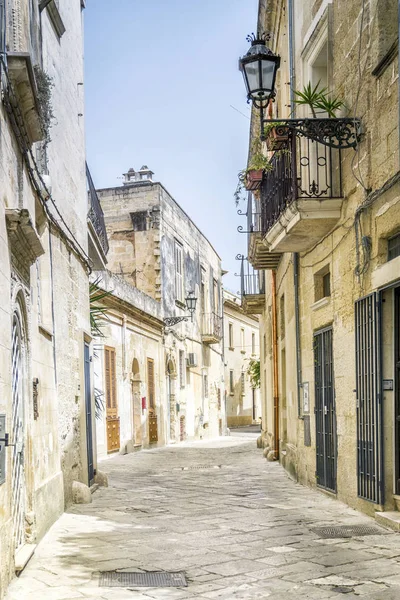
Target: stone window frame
column 231, row 382
column 179, row 272
column 320, row 287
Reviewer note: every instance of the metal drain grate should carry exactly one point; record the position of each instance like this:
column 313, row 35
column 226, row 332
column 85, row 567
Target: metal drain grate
column 153, row 579
column 347, row 531
column 201, row 467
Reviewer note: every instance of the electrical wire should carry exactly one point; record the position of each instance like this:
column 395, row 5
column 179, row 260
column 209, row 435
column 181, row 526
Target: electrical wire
column 16, row 119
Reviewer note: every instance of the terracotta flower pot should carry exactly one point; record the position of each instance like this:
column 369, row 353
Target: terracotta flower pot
column 254, row 179
column 277, row 141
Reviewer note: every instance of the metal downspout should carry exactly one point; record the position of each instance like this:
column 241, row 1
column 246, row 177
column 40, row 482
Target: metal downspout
column 275, row 370
column 295, row 254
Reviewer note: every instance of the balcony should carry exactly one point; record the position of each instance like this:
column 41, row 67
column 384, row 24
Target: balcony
column 301, row 196
column 98, row 240
column 259, row 254
column 252, row 288
column 211, row 328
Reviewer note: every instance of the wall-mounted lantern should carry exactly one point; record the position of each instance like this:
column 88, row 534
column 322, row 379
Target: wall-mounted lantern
column 190, row 302
column 259, row 68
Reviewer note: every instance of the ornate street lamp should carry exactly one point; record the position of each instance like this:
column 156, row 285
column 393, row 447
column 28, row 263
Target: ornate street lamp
column 259, row 67
column 191, row 302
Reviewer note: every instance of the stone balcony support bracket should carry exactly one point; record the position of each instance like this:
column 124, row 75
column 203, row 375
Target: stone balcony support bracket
column 25, row 243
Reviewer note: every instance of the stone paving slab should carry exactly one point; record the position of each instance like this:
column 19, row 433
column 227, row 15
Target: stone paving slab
column 242, row 531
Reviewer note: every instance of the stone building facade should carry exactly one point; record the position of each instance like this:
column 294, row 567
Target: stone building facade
column 329, row 242
column 129, row 373
column 158, row 249
column 241, row 345
column 45, row 381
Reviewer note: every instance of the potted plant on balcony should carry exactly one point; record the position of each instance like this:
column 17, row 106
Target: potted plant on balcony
column 276, row 135
column 258, row 164
column 318, row 98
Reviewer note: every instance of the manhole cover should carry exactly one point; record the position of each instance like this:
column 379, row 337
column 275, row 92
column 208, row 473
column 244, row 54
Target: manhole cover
column 154, row 579
column 347, row 531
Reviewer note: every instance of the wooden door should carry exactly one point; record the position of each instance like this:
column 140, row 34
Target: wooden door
column 113, row 439
column 153, row 427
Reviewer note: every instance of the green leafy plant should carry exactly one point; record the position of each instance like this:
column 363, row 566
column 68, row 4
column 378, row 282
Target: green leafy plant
column 318, row 98
column 268, row 127
column 254, row 372
column 98, row 313
column 44, row 84
column 98, row 403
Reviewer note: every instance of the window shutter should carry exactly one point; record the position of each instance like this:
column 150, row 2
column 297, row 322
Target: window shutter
column 111, row 380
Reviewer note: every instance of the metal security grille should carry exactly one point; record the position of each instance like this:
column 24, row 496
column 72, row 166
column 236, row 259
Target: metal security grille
column 397, row 385
column 348, row 531
column 156, row 579
column 18, row 475
column 369, row 395
column 325, row 412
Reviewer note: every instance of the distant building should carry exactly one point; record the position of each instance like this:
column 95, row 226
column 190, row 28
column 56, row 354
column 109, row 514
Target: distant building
column 157, row 248
column 242, row 345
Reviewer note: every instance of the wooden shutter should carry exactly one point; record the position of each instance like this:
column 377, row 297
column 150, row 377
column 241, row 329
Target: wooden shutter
column 150, row 383
column 110, row 378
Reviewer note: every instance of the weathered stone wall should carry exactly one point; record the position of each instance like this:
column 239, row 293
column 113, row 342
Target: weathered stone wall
column 51, row 295
column 371, row 168
column 134, row 254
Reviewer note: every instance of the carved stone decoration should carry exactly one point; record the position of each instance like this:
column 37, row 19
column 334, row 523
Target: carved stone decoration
column 25, row 243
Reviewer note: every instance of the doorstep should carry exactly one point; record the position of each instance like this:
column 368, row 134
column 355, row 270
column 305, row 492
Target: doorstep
column 23, row 556
column 389, row 519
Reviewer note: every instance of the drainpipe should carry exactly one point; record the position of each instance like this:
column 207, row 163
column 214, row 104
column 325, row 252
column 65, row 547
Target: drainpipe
column 295, row 254
column 297, row 323
column 275, row 370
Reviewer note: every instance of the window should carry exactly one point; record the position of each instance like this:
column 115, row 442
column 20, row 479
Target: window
column 242, row 383
column 182, row 369
column 230, row 336
column 231, row 384
column 394, row 247
column 216, row 296
column 242, row 340
column 322, row 284
column 139, row 220
column 384, row 35
column 151, row 383
column 253, row 343
column 203, row 297
column 326, row 285
column 179, row 272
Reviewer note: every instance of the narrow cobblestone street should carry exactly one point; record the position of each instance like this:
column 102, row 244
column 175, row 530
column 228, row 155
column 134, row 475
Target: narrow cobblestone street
column 235, row 524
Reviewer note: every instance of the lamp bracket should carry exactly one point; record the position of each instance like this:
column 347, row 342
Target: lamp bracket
column 337, row 133
column 171, row 321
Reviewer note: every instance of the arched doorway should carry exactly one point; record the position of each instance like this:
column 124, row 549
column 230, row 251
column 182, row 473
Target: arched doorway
column 171, row 398
column 18, row 430
column 136, row 403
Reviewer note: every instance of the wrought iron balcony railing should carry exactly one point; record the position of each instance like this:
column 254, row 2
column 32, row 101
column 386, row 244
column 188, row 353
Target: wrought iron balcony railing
column 96, row 214
column 252, row 287
column 211, row 331
column 252, row 283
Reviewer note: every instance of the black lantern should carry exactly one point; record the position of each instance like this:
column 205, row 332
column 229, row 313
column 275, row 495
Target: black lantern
column 259, row 67
column 191, row 302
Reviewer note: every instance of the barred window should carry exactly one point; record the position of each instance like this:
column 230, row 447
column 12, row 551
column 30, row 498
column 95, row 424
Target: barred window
column 394, row 247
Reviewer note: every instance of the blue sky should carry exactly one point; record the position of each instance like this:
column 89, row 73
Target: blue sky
column 160, row 80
